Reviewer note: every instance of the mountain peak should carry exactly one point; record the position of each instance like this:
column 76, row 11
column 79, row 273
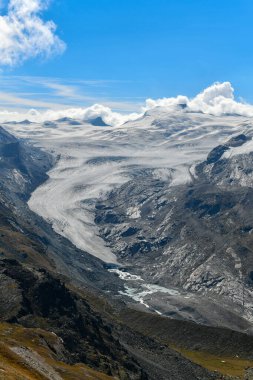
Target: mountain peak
column 98, row 122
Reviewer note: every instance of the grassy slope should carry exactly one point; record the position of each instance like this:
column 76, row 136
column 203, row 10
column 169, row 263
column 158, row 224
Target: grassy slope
column 162, row 329
column 40, row 363
column 230, row 366
column 191, row 341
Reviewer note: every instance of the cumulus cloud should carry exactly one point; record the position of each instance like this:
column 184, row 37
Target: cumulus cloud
column 89, row 113
column 24, row 34
column 217, row 100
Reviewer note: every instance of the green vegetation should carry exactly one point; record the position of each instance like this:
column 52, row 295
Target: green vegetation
column 230, row 366
column 39, row 344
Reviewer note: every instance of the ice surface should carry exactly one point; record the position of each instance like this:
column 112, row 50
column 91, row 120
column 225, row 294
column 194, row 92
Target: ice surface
column 94, row 160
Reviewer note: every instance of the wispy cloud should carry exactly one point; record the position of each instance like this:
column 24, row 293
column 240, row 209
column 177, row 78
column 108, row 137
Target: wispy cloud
column 24, row 34
column 13, row 101
column 28, row 90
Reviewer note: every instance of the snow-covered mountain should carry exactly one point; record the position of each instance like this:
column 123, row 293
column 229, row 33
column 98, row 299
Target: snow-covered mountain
column 94, row 160
column 165, row 198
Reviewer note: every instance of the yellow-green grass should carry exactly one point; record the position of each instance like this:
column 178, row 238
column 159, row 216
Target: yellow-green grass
column 15, row 367
column 159, row 329
column 229, row 366
column 13, row 242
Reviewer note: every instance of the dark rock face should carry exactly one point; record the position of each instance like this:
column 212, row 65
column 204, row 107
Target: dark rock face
column 109, row 217
column 216, row 154
column 38, row 299
column 222, row 172
column 43, row 301
column 129, row 232
column 68, row 120
column 98, row 122
column 22, row 167
column 238, row 140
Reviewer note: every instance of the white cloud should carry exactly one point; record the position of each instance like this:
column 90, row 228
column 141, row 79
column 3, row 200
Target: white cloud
column 89, row 113
column 217, row 99
column 24, row 35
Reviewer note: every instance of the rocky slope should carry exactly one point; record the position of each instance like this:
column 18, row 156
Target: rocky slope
column 195, row 237
column 74, row 324
column 35, row 354
column 33, row 298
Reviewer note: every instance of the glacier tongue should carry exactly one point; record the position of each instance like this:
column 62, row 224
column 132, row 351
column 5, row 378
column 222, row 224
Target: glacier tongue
column 95, row 160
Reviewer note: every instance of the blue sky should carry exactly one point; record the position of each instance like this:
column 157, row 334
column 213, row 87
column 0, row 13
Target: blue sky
column 120, row 52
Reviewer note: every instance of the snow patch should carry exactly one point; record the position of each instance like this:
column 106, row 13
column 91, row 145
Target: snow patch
column 134, row 212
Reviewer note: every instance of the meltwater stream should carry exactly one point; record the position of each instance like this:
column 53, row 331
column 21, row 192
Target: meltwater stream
column 137, row 289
